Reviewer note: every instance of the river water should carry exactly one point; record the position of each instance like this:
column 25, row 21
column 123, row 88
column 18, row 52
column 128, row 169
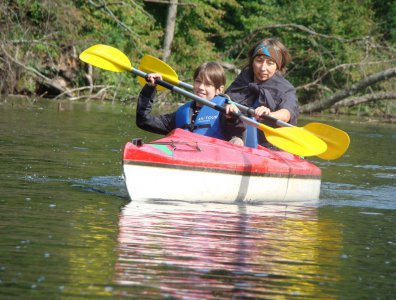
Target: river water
column 68, row 230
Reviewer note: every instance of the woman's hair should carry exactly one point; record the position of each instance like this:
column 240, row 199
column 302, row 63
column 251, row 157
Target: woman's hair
column 274, row 49
column 211, row 72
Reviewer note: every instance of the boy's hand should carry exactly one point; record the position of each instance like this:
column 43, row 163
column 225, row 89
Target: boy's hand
column 231, row 108
column 152, row 78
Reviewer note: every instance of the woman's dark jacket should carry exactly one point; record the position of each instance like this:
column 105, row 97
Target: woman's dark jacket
column 275, row 93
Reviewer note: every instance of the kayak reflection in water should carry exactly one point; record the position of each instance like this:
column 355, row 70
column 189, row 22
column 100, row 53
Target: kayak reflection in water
column 189, row 251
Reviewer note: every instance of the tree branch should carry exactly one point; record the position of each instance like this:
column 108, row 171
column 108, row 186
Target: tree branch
column 358, row 86
column 110, row 14
column 290, row 26
column 316, row 82
column 47, row 80
column 364, row 99
column 90, row 88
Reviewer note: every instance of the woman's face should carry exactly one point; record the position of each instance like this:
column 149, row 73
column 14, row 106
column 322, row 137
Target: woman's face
column 263, row 68
column 205, row 89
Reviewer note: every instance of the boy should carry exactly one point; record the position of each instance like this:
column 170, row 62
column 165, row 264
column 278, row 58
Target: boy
column 209, row 81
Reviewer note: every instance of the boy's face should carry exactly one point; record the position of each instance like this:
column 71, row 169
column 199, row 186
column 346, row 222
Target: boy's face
column 205, row 89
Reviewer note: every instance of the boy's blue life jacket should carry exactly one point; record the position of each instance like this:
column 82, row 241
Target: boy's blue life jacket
column 207, row 121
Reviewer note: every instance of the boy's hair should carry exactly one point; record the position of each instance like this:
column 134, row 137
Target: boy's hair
column 277, row 47
column 211, row 72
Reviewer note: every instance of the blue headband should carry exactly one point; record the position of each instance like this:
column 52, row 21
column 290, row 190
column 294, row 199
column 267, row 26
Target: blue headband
column 269, row 51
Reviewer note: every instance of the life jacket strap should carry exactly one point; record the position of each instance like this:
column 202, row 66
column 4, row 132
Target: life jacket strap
column 192, row 127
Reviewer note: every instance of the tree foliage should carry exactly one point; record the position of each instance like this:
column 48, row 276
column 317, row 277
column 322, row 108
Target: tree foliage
column 333, row 43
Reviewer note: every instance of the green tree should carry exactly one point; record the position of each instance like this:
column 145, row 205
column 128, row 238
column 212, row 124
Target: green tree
column 333, row 43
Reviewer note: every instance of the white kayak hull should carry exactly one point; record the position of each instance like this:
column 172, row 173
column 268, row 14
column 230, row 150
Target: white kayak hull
column 149, row 182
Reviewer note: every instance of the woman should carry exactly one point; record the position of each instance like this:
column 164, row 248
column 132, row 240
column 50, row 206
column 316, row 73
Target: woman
column 261, row 85
column 209, row 81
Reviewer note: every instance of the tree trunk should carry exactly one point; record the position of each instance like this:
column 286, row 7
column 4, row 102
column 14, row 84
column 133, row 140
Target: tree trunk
column 365, row 98
column 170, row 29
column 320, row 105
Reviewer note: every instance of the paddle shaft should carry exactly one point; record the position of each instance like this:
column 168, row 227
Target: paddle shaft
column 247, row 110
column 200, row 100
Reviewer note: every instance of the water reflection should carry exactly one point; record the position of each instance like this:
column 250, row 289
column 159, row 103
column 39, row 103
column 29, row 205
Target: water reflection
column 190, row 251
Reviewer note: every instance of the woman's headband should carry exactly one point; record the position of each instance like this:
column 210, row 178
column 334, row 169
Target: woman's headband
column 270, row 52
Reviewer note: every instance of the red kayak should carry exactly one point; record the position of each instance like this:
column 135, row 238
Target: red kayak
column 191, row 167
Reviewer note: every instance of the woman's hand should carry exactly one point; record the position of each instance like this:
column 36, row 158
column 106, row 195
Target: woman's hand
column 283, row 114
column 152, row 78
column 261, row 110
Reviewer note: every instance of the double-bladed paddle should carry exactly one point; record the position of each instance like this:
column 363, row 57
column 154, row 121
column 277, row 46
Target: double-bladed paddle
column 291, row 139
column 337, row 140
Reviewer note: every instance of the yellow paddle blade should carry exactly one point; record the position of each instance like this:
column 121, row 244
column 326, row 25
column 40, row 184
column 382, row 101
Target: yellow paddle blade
column 151, row 64
column 337, row 140
column 107, row 58
column 294, row 140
